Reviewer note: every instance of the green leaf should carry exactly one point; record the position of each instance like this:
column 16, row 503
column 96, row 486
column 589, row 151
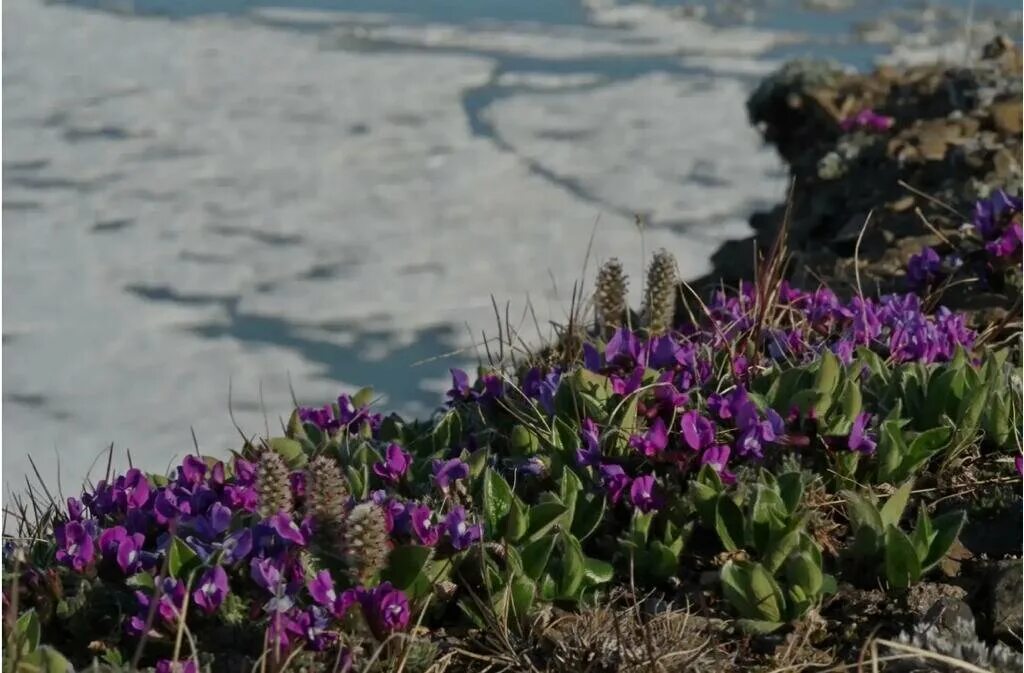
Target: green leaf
column 827, row 377
column 518, row 521
column 590, row 511
column 141, row 581
column 661, row 561
column 363, row 398
column 804, row 571
column 946, row 526
column 542, row 518
column 596, row 571
column 290, row 450
column 892, row 451
column 45, row 660
column 640, row 527
column 497, row 499
column 751, row 591
column 902, row 567
column 535, row 556
column 791, row 489
column 446, row 431
column 522, row 442
column 852, row 402
column 569, row 490
column 768, row 516
column 923, row 533
column 573, row 566
column 866, row 523
column 892, row 510
column 779, row 547
column 523, row 593
column 729, row 523
column 406, row 564
column 27, row 631
column 922, row 448
column 477, row 461
column 181, row 560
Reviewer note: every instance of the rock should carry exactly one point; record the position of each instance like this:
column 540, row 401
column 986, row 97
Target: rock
column 1007, row 116
column 1007, row 600
column 925, row 596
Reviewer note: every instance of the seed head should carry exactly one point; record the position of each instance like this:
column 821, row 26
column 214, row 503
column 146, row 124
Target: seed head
column 327, row 494
column 273, row 484
column 364, row 541
column 660, row 297
column 610, row 294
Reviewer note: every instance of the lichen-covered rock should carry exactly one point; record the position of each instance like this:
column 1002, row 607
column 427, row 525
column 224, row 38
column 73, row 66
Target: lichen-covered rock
column 1007, row 609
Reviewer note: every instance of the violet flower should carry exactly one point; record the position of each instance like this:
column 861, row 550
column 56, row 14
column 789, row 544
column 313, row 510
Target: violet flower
column 422, row 524
column 1008, row 244
column 285, row 526
column 395, row 464
column 191, row 471
column 615, row 481
column 924, row 269
column 168, row 666
column 448, row 471
column 867, row 120
column 589, row 455
column 623, row 349
column 859, row 439
column 461, row 534
column 460, row 389
column 386, row 609
column 653, row 442
column 212, row 588
column 74, row 545
column 643, row 495
column 698, row 432
column 717, row 457
column 267, row 574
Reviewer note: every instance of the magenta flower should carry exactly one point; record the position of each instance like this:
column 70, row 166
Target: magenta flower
column 74, row 545
column 859, row 439
column 589, row 455
column 191, row 471
column 126, row 548
column 867, row 120
column 168, row 666
column 623, row 349
column 423, row 527
column 698, row 432
column 615, row 481
column 717, row 456
column 654, row 441
column 386, row 609
column 924, row 269
column 460, row 389
column 396, row 463
column 1008, row 244
column 460, row 533
column 448, row 471
column 643, row 495
column 285, row 526
column 212, row 588
column 1018, row 463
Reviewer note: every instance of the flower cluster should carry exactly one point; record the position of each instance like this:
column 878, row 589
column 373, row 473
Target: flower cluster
column 867, row 120
column 991, row 244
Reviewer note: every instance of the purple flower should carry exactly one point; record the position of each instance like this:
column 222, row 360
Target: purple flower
column 642, row 494
column 395, row 464
column 168, row 506
column 867, row 120
column 990, row 213
column 285, row 526
column 1018, row 463
column 386, row 609
column 623, row 349
column 126, row 549
column 1008, row 244
column 74, row 545
column 717, row 457
column 212, row 588
column 461, row 534
column 615, row 481
column 542, row 387
column 75, row 509
column 448, row 471
column 460, row 389
column 628, row 386
column 168, row 666
column 590, row 454
column 924, row 269
column 267, row 574
column 321, row 588
column 665, row 352
column 423, row 526
column 191, row 471
column 698, row 432
column 312, row 625
column 859, row 439
column 654, row 441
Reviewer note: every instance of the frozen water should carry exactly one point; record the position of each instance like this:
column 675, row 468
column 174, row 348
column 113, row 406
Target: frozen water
column 325, row 200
